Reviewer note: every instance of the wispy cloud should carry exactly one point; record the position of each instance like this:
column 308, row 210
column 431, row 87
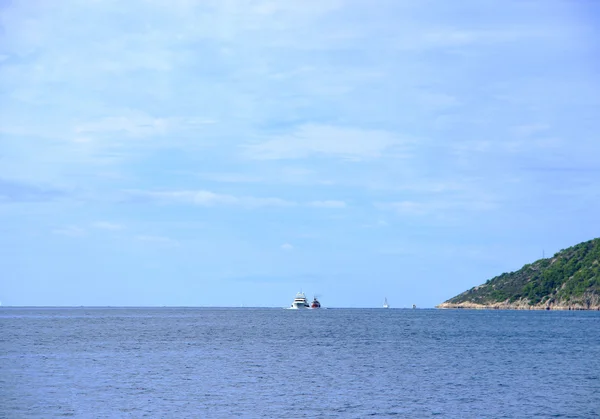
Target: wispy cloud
column 211, row 199
column 17, row 191
column 322, row 140
column 408, row 207
column 105, row 225
column 327, row 204
column 287, row 247
column 438, row 208
column 530, row 129
column 138, row 124
column 160, row 240
column 70, row 231
column 436, row 100
column 444, row 37
column 231, row 177
column 134, row 125
column 376, row 224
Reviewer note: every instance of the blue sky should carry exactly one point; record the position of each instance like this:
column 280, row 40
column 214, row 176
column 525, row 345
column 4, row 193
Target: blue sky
column 235, row 152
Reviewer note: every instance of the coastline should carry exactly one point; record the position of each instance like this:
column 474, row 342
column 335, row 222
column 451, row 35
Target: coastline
column 519, row 306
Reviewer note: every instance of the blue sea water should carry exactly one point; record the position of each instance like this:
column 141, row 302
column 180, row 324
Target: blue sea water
column 346, row 363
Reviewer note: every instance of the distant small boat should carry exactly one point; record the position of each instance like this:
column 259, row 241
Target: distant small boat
column 414, row 306
column 385, row 303
column 315, row 303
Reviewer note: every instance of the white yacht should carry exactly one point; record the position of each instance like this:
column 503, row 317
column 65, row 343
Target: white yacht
column 300, row 301
column 385, row 303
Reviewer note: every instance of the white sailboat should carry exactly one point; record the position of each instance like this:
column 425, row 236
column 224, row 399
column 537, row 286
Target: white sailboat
column 385, row 303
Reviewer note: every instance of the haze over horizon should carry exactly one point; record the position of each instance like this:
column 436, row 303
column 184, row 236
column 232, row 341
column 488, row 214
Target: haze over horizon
column 234, row 152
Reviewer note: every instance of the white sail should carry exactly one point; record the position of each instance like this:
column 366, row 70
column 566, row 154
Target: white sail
column 385, row 303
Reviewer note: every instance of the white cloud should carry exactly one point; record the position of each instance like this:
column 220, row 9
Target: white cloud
column 530, row 129
column 310, row 7
column 397, row 250
column 406, row 207
column 128, row 123
column 70, row 231
column 138, row 124
column 433, row 100
column 439, row 208
column 314, row 140
column 210, row 199
column 133, row 124
column 287, row 247
column 327, row 204
column 460, row 37
column 376, row 224
column 231, row 177
column 166, row 241
column 434, row 36
column 105, row 225
column 266, row 174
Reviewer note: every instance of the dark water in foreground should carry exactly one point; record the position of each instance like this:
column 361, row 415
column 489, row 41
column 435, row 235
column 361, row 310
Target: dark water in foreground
column 93, row 363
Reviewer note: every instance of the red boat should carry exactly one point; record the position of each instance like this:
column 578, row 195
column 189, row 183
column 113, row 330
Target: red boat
column 315, row 303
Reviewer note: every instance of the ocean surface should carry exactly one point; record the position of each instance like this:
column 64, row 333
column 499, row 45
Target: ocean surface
column 275, row 363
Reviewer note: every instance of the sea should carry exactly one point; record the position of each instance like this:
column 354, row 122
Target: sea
column 275, row 363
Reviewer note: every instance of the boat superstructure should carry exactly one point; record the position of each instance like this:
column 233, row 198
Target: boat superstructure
column 385, row 303
column 300, row 301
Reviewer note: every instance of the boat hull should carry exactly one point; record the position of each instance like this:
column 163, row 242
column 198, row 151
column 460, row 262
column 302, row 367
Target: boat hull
column 299, row 306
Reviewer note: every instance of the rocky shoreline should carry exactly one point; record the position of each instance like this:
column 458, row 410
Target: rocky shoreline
column 520, row 306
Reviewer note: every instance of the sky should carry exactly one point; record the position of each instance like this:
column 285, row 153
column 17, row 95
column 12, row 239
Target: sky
column 234, row 152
